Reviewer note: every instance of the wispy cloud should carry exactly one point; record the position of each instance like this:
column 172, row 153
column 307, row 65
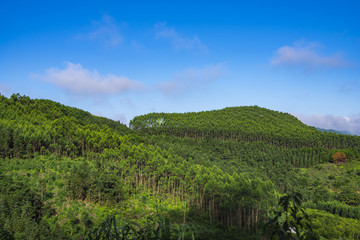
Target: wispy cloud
column 192, row 78
column 106, row 31
column 177, row 40
column 76, row 79
column 4, row 89
column 349, row 87
column 122, row 118
column 139, row 48
column 127, row 102
column 340, row 123
column 306, row 56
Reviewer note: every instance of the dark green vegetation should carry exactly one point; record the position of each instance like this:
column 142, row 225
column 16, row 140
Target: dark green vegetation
column 250, row 124
column 291, row 221
column 66, row 174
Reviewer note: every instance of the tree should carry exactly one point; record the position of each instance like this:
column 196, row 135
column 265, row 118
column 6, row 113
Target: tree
column 339, row 157
column 291, row 221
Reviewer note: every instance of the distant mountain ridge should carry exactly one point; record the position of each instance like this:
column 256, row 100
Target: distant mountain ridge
column 333, row 131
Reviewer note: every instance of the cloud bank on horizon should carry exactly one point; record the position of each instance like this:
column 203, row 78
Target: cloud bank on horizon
column 339, row 123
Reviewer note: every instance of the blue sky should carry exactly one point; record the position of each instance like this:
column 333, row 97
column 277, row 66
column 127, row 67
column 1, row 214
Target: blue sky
column 120, row 59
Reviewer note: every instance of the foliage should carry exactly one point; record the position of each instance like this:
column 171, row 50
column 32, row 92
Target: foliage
column 22, row 212
column 158, row 228
column 291, row 221
column 242, row 124
column 334, row 227
column 336, row 208
column 339, row 157
column 208, row 175
column 31, row 126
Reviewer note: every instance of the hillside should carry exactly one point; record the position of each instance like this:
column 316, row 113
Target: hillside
column 65, row 174
column 22, row 107
column 242, row 124
column 33, row 125
column 80, row 174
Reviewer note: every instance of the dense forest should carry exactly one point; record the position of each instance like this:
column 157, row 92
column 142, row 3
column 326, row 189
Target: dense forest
column 222, row 174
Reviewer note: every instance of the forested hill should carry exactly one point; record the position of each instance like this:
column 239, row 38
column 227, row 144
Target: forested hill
column 250, row 123
column 63, row 172
column 19, row 107
column 37, row 125
column 66, row 174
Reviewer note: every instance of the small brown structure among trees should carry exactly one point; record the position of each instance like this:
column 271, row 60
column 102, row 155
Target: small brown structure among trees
column 339, row 157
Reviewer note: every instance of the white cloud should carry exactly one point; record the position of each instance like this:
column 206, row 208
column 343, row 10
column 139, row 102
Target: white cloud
column 178, row 41
column 107, row 31
column 340, row 123
column 306, row 56
column 77, row 79
column 192, row 77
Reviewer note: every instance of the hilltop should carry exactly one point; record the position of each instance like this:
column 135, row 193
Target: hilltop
column 21, row 108
column 37, row 125
column 249, row 123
